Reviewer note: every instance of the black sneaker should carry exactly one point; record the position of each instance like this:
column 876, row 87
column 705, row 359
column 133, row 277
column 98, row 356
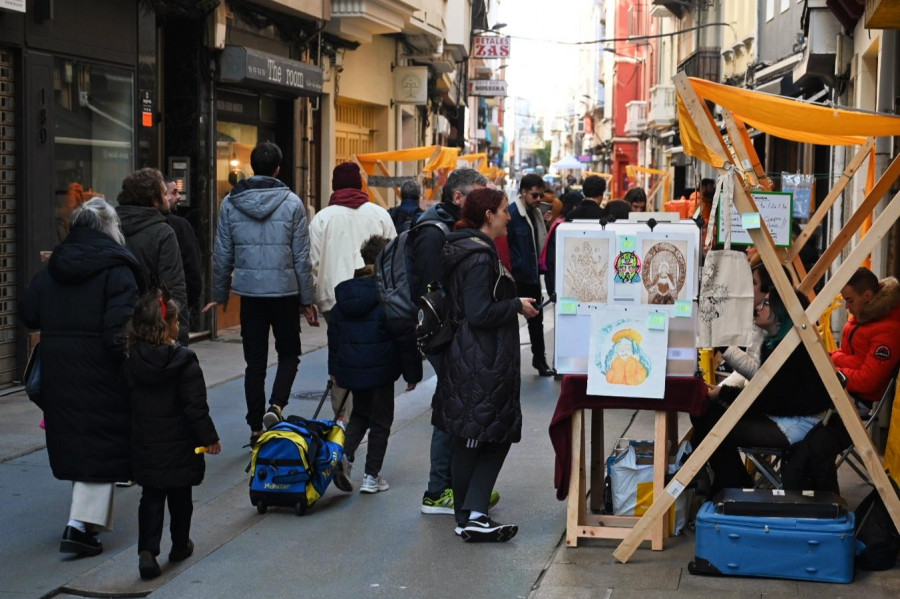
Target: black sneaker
column 485, row 530
column 272, row 417
column 179, row 554
column 148, row 565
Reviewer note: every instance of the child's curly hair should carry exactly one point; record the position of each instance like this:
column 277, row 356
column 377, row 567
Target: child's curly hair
column 152, row 319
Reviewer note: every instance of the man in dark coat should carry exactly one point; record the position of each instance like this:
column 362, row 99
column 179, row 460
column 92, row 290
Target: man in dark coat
column 427, row 245
column 526, row 234
column 593, row 188
column 81, row 303
column 142, row 209
column 189, row 247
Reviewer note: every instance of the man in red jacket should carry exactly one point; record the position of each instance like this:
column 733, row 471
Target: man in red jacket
column 870, row 342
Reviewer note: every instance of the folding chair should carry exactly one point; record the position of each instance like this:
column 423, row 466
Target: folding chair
column 850, row 455
column 767, row 461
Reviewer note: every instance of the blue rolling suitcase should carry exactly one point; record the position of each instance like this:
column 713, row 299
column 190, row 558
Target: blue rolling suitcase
column 819, row 549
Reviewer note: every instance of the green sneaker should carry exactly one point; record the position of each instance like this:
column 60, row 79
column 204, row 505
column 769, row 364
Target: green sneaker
column 494, row 500
column 443, row 504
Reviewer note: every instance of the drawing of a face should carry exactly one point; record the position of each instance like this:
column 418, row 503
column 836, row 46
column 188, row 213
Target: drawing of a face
column 627, row 266
column 623, row 348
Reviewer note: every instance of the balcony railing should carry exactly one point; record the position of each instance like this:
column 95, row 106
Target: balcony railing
column 705, row 63
column 662, row 106
column 635, row 117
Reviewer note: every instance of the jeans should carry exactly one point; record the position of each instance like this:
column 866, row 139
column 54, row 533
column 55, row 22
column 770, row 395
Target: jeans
column 475, row 470
column 373, row 410
column 441, row 448
column 535, row 324
column 258, row 315
column 152, row 511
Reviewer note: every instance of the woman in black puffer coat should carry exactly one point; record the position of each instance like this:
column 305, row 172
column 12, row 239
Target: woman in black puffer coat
column 81, row 303
column 477, row 397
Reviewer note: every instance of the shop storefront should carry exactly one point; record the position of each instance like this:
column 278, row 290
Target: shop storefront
column 259, row 97
column 67, row 134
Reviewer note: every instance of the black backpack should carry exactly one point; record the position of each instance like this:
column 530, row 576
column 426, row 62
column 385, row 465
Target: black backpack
column 393, row 269
column 437, row 323
column 876, row 531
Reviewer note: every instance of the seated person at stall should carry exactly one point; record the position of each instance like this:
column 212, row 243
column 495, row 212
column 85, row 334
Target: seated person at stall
column 868, row 357
column 790, row 405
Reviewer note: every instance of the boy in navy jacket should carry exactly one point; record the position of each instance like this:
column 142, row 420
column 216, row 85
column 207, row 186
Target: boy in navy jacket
column 367, row 358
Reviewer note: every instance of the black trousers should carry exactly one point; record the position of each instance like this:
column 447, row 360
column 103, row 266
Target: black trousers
column 258, row 315
column 474, row 472
column 536, row 324
column 152, row 511
column 373, row 411
column 750, row 431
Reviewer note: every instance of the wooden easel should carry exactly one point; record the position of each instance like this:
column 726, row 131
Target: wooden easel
column 804, row 330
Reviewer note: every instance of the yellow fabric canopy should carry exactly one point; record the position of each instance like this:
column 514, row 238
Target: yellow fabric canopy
column 367, row 161
column 782, row 117
column 483, row 167
column 446, row 159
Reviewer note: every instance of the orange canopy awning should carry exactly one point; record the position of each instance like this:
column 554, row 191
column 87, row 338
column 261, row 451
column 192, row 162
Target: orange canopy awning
column 367, row 161
column 782, row 117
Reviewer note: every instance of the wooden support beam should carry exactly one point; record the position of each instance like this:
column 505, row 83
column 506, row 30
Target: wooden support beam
column 745, row 152
column 831, row 253
column 803, row 331
column 829, row 200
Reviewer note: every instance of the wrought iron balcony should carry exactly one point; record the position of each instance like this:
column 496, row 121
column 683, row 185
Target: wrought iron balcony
column 705, row 63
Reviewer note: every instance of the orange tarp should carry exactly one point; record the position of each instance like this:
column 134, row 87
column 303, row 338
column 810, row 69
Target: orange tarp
column 367, row 161
column 782, row 117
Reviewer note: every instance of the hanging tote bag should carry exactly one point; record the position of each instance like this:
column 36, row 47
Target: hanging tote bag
column 33, row 376
column 726, row 283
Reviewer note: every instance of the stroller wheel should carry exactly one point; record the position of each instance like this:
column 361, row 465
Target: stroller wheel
column 300, row 508
column 261, row 507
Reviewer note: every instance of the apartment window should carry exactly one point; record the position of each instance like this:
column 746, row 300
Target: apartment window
column 770, row 10
column 785, row 5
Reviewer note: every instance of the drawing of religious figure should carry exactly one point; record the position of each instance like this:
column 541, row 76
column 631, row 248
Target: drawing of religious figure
column 665, row 272
column 627, row 267
column 626, row 363
column 586, row 269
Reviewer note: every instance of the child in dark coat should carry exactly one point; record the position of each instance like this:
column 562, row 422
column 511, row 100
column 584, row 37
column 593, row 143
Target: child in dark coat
column 170, row 428
column 365, row 356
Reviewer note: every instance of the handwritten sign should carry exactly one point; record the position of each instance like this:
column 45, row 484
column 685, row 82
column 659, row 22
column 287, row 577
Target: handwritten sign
column 775, row 209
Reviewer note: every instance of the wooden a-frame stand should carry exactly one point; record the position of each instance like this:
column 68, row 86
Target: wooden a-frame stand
column 804, row 330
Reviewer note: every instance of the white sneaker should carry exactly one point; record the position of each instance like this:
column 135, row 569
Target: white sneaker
column 372, row 484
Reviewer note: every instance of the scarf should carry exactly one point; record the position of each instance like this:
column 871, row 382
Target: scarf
column 349, row 197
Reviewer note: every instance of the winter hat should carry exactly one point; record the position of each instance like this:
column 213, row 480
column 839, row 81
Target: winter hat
column 346, row 175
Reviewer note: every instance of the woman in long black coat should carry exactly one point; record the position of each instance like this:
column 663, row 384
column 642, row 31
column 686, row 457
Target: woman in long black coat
column 81, row 303
column 477, row 397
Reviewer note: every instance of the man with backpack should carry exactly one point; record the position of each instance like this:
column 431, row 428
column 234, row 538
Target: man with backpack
column 426, row 246
column 406, row 214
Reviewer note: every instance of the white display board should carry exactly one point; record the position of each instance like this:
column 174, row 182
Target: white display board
column 775, row 209
column 602, row 265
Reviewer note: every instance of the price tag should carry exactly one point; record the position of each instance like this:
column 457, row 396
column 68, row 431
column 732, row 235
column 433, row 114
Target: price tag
column 627, row 243
column 750, row 220
column 567, row 305
column 656, row 321
column 684, row 308
column 675, row 488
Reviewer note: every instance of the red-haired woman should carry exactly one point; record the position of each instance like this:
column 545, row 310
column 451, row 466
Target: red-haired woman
column 477, row 397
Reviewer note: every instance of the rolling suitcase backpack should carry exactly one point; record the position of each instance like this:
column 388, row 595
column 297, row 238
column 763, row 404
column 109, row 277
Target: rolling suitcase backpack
column 294, row 461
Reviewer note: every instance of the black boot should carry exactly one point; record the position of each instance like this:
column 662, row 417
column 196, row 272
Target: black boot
column 543, row 369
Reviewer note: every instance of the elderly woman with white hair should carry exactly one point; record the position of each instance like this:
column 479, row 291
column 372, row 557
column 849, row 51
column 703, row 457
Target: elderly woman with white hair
column 81, row 303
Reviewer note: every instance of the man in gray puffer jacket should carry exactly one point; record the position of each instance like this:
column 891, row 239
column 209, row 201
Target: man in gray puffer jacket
column 142, row 211
column 262, row 237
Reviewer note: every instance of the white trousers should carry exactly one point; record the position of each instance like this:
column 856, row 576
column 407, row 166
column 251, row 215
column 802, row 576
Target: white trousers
column 92, row 503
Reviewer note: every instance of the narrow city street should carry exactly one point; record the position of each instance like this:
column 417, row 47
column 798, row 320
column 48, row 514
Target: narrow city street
column 353, row 545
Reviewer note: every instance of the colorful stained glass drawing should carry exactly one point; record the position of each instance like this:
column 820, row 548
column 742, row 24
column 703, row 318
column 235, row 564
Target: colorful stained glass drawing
column 626, row 357
column 627, row 267
column 664, row 272
column 586, row 269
